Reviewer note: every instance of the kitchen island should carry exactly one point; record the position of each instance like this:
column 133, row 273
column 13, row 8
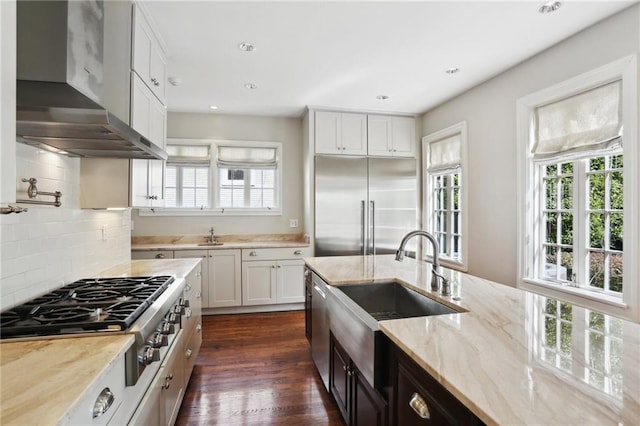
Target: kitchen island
column 509, row 356
column 47, row 380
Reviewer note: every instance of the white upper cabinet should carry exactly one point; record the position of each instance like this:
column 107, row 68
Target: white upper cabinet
column 340, row 133
column 391, row 136
column 149, row 60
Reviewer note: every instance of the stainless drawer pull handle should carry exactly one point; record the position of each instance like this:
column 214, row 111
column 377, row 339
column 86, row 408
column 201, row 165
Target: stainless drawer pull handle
column 419, row 406
column 253, row 253
column 189, row 353
column 199, row 328
column 297, row 252
column 103, row 402
column 160, row 256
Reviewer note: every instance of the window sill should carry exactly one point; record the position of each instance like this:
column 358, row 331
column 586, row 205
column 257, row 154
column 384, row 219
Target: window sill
column 161, row 211
column 588, row 299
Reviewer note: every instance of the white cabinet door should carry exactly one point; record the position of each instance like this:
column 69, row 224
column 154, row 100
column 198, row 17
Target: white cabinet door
column 354, row 134
column 379, row 135
column 340, row 133
column 173, row 374
column 390, row 136
column 148, row 114
column 142, row 37
column 290, row 281
column 148, row 57
column 225, row 283
column 259, row 283
column 140, row 183
column 158, row 72
column 204, row 255
column 327, row 133
column 150, row 411
column 404, row 135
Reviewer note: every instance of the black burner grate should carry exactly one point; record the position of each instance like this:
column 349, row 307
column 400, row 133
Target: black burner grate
column 84, row 306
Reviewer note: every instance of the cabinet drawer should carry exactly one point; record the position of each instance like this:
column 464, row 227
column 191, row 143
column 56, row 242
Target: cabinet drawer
column 191, row 350
column 152, row 254
column 276, row 253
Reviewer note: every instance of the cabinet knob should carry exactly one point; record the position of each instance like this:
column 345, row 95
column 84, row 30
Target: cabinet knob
column 160, row 256
column 199, row 328
column 419, row 406
column 253, row 253
column 155, row 81
column 188, row 353
column 297, row 252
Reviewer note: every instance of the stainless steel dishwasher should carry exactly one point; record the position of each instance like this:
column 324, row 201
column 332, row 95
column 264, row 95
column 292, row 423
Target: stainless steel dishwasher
column 320, row 329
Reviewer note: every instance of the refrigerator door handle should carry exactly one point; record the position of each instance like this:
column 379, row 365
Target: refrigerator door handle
column 362, row 227
column 373, row 228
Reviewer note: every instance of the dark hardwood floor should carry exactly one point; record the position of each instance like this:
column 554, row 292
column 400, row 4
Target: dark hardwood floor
column 256, row 369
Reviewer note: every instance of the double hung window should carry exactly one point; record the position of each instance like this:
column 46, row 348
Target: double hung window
column 445, row 191
column 576, row 153
column 247, row 177
column 222, row 177
column 187, row 176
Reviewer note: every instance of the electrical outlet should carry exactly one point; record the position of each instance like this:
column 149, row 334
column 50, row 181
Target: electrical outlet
column 293, row 223
column 104, row 232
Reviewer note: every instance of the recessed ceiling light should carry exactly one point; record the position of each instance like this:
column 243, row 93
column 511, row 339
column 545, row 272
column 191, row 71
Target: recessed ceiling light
column 549, row 7
column 452, row 70
column 251, row 86
column 382, row 97
column 213, row 107
column 175, row 81
column 247, row 47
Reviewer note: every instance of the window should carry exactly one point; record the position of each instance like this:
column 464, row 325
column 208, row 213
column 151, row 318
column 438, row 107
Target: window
column 445, row 190
column 207, row 177
column 575, row 210
column 187, row 176
column 247, row 177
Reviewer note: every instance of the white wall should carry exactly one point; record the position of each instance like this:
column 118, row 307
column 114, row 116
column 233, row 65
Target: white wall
column 46, row 247
column 235, row 127
column 490, row 112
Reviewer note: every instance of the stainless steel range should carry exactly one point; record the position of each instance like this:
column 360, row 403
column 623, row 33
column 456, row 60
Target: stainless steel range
column 149, row 307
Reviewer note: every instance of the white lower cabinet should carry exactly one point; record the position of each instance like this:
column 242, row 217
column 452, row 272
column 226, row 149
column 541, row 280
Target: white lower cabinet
column 221, row 272
column 273, row 276
column 161, row 403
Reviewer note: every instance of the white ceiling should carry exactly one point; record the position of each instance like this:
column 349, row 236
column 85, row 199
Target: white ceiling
column 345, row 53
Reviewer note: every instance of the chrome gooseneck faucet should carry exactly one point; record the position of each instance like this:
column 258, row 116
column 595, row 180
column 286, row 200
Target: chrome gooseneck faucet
column 211, row 237
column 436, row 276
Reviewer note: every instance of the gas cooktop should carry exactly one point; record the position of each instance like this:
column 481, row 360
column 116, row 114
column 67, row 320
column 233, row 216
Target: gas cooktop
column 87, row 305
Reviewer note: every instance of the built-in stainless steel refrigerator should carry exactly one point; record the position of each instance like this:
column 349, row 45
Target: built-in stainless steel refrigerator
column 364, row 205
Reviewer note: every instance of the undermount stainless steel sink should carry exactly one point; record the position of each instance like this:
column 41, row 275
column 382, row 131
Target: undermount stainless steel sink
column 356, row 309
column 210, row 244
column 391, row 300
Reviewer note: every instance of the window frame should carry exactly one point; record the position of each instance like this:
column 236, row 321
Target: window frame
column 428, row 200
column 180, row 182
column 530, row 199
column 214, row 182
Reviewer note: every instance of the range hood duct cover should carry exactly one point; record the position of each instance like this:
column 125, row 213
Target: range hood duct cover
column 61, row 49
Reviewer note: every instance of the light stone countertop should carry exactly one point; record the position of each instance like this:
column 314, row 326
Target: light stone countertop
column 497, row 358
column 229, row 242
column 43, row 378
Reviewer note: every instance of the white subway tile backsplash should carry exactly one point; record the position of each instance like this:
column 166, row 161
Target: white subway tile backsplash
column 47, row 247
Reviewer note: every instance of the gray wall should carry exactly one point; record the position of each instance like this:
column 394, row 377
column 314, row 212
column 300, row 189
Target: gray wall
column 490, row 112
column 235, row 127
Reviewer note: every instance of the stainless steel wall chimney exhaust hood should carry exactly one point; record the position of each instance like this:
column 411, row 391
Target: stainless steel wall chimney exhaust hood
column 62, row 88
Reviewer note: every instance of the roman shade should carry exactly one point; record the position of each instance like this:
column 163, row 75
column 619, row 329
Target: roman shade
column 444, row 154
column 244, row 157
column 189, row 154
column 582, row 125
